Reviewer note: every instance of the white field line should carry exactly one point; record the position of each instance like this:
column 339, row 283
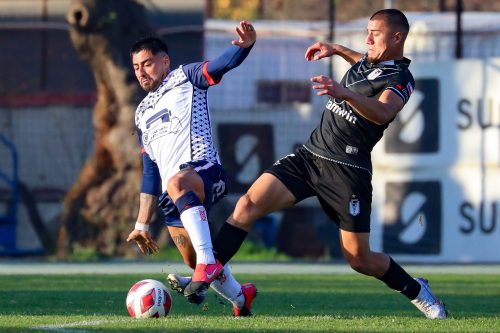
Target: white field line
column 68, row 327
column 42, row 268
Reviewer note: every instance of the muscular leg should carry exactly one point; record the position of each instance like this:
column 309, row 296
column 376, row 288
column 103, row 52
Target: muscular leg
column 267, row 194
column 356, row 249
column 183, row 242
column 186, row 189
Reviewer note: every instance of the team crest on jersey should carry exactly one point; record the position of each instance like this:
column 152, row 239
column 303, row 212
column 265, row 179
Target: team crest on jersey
column 374, row 74
column 354, row 206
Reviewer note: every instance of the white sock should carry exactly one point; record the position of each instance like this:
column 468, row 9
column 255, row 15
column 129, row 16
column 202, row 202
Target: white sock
column 195, row 222
column 227, row 286
column 184, row 280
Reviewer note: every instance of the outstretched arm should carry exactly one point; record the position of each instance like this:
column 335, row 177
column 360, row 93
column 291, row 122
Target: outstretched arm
column 321, row 50
column 234, row 55
column 206, row 74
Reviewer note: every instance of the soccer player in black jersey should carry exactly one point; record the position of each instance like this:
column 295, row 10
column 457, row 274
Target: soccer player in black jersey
column 335, row 164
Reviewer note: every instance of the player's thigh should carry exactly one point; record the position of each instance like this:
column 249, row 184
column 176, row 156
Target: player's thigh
column 183, row 243
column 267, row 194
column 355, row 244
column 183, row 181
column 270, row 193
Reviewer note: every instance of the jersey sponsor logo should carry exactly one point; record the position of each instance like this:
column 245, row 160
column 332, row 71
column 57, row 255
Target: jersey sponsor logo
column 412, row 218
column 162, row 116
column 416, row 128
column 160, row 124
column 354, row 206
column 374, row 74
column 336, row 109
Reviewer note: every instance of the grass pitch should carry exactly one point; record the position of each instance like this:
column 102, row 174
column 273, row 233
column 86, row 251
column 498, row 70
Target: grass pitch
column 286, row 303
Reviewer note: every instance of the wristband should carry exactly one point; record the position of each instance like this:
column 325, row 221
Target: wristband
column 141, row 226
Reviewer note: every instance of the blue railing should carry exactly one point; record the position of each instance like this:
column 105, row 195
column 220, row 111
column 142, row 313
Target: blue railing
column 8, row 220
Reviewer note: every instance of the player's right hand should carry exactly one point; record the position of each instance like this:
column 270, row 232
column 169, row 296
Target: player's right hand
column 144, row 241
column 319, row 50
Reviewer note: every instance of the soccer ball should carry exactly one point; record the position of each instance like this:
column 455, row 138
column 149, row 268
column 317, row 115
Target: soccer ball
column 148, row 299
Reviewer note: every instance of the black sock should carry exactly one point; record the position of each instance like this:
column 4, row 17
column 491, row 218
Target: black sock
column 227, row 242
column 397, row 279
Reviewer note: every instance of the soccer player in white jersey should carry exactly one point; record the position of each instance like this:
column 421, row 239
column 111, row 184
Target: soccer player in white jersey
column 173, row 124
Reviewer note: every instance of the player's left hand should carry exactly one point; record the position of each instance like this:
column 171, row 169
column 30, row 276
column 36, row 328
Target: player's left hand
column 144, row 241
column 328, row 86
column 247, row 34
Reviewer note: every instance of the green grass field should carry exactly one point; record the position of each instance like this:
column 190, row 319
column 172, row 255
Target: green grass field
column 286, row 303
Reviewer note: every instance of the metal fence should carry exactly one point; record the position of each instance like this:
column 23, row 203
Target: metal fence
column 265, row 106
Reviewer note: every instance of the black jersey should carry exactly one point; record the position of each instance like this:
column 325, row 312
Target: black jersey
column 345, row 136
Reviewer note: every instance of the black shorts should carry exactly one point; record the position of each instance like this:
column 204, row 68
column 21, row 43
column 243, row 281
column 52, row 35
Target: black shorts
column 344, row 192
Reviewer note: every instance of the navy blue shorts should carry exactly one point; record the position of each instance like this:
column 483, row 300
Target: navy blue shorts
column 215, row 183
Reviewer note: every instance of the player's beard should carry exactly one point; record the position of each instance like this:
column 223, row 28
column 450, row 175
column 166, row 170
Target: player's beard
column 151, row 84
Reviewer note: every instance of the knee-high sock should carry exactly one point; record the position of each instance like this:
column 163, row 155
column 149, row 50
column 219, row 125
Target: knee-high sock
column 397, row 279
column 228, row 242
column 227, row 286
column 194, row 218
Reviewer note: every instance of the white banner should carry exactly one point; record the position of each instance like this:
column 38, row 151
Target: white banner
column 437, row 170
column 437, row 215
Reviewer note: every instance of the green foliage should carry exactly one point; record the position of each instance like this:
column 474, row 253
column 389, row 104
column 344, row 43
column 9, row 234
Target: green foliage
column 286, row 303
column 84, row 254
column 249, row 251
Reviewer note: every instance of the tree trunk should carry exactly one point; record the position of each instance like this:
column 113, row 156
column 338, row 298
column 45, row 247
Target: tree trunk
column 99, row 210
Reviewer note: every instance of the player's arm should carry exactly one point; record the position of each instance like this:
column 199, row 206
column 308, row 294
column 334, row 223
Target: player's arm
column 321, row 50
column 379, row 109
column 151, row 182
column 210, row 73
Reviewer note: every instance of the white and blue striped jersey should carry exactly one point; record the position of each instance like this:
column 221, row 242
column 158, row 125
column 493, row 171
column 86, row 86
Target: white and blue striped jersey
column 173, row 122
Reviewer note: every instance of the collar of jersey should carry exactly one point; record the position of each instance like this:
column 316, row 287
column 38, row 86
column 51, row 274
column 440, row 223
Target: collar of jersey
column 404, row 61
